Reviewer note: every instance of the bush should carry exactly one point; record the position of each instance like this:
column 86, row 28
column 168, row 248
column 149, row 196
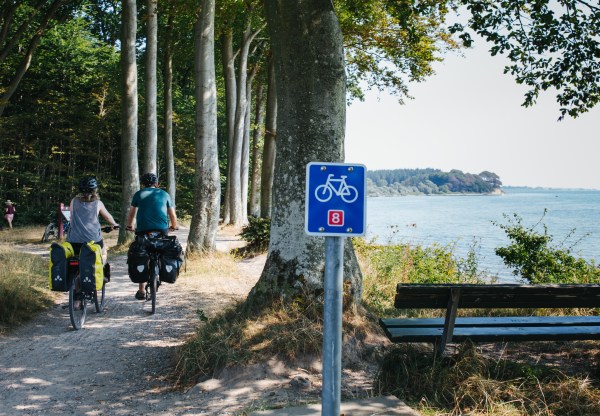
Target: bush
column 385, row 266
column 534, row 257
column 257, row 233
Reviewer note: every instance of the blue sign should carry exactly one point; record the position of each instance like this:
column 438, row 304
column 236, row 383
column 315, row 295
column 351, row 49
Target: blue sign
column 335, row 199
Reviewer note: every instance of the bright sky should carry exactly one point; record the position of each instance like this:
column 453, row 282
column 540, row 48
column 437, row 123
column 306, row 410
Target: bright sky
column 469, row 117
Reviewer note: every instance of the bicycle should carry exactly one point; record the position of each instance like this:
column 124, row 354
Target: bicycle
column 153, row 242
column 51, row 231
column 78, row 311
column 324, row 192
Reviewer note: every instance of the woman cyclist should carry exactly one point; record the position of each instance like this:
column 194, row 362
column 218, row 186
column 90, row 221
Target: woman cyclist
column 85, row 208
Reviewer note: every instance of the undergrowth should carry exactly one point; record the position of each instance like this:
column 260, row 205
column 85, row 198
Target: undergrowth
column 469, row 383
column 23, row 286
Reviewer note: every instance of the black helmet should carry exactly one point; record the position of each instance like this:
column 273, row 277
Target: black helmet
column 149, row 179
column 88, row 184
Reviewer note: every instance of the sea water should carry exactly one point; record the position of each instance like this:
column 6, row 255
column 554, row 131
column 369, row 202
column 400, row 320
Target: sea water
column 465, row 221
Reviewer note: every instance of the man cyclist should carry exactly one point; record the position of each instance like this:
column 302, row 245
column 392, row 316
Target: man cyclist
column 151, row 208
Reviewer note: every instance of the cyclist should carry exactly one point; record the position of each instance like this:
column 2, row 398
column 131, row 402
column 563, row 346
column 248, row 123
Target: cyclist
column 85, row 208
column 152, row 209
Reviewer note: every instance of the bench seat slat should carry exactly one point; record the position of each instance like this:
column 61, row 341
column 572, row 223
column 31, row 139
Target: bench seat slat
column 495, row 334
column 493, row 321
column 498, row 296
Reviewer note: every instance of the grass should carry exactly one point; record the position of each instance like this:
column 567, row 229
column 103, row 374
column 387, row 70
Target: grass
column 23, row 279
column 471, row 383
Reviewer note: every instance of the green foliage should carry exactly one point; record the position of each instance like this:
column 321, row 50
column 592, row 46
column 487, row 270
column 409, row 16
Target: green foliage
column 552, row 45
column 257, row 233
column 429, row 181
column 385, row 266
column 389, row 43
column 535, row 258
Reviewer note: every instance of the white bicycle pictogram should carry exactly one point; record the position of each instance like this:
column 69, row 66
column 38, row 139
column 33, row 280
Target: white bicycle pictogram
column 348, row 193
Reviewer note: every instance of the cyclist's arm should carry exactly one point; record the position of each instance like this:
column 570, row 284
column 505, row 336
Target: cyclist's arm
column 173, row 218
column 106, row 215
column 131, row 217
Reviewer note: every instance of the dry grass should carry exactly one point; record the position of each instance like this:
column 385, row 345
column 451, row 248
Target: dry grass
column 474, row 384
column 23, row 286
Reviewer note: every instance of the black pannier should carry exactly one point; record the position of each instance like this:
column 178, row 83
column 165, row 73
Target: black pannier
column 171, row 258
column 138, row 261
column 60, row 278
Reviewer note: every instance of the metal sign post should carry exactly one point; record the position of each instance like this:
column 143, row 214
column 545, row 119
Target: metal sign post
column 332, row 326
column 335, row 209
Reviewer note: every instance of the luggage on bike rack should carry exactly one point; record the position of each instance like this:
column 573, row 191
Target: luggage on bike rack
column 138, row 261
column 171, row 259
column 91, row 268
column 59, row 266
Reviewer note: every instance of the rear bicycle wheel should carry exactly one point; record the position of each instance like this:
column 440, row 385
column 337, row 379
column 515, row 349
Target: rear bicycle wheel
column 153, row 288
column 77, row 304
column 100, row 299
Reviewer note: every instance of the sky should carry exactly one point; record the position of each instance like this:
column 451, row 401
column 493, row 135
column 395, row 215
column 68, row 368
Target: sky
column 468, row 116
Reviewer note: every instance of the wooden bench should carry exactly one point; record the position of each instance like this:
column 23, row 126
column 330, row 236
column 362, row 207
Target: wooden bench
column 452, row 297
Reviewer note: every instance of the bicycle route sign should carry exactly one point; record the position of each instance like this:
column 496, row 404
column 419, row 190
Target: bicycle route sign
column 335, row 199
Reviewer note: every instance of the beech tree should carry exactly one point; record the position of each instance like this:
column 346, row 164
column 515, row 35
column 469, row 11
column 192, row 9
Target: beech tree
column 150, row 145
column 129, row 115
column 308, row 51
column 205, row 218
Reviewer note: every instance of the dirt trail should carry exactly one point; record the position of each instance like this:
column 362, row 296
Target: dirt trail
column 118, row 363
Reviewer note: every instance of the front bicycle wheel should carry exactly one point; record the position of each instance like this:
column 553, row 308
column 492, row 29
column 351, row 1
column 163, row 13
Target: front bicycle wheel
column 51, row 231
column 100, row 299
column 77, row 304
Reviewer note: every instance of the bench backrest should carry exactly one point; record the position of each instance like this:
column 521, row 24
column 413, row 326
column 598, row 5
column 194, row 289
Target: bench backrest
column 409, row 296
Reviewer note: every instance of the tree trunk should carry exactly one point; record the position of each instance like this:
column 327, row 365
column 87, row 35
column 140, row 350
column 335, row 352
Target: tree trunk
column 151, row 58
column 205, row 218
column 245, row 165
column 259, row 115
column 129, row 115
column 268, row 159
column 228, row 60
column 309, row 66
column 168, row 104
column 237, row 208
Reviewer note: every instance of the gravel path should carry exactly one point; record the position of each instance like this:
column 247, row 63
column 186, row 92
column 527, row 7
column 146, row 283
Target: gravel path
column 119, row 362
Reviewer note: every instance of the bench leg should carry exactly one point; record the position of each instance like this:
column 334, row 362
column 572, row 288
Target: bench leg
column 450, row 319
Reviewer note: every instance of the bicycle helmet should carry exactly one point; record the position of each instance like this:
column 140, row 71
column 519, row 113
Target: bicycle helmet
column 88, row 184
column 149, row 179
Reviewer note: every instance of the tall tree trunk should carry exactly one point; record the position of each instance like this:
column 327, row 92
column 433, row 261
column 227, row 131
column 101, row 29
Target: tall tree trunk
column 151, row 58
column 245, row 164
column 309, row 65
column 268, row 159
column 205, row 218
column 237, row 208
column 168, row 104
column 259, row 116
column 228, row 60
column 129, row 115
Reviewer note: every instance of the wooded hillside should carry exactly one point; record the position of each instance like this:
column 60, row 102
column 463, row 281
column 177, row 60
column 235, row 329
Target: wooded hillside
column 429, row 182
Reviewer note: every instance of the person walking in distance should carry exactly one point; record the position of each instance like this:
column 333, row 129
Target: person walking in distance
column 9, row 213
column 152, row 209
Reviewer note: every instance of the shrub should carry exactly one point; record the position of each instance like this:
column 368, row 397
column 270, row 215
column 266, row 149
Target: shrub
column 534, row 257
column 257, row 233
column 385, row 266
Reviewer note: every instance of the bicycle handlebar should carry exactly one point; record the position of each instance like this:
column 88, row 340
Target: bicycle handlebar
column 109, row 228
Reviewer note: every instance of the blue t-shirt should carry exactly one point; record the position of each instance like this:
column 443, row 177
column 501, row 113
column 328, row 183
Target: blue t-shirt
column 152, row 204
